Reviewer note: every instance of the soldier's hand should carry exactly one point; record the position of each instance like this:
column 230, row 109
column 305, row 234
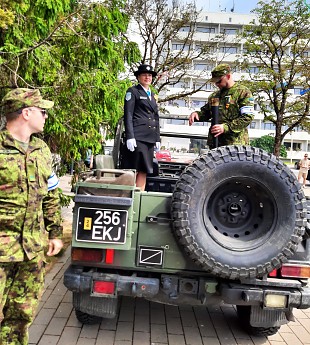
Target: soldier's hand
column 54, row 246
column 217, row 130
column 193, row 116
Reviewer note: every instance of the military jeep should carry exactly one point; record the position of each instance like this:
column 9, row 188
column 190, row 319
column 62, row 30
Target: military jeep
column 229, row 227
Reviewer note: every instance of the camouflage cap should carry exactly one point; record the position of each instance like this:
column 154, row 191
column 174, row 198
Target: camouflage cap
column 219, row 71
column 24, row 98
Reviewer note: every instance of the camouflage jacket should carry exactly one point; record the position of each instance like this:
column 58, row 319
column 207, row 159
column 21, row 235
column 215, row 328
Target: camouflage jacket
column 28, row 212
column 235, row 112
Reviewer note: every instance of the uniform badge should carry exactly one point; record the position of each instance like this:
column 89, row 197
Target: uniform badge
column 128, row 96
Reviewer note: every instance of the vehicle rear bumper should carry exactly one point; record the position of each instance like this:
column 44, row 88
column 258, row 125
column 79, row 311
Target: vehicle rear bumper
column 255, row 295
column 176, row 290
column 78, row 281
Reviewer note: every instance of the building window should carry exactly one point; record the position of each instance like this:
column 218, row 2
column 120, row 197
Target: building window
column 180, row 85
column 200, row 66
column 230, row 50
column 254, row 69
column 206, row 18
column 268, row 126
column 203, row 86
column 253, row 125
column 229, row 31
column 205, row 30
column 184, row 29
column 178, row 103
column 180, row 46
column 297, row 90
column 198, row 48
column 230, row 19
column 197, row 103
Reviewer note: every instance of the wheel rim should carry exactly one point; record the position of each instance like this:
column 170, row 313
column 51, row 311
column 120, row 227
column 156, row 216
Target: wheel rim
column 240, row 214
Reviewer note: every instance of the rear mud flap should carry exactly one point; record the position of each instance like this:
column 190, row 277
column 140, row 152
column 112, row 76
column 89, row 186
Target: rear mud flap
column 267, row 318
column 97, row 306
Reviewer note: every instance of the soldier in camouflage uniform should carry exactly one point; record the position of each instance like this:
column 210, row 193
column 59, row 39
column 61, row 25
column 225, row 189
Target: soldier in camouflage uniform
column 30, row 219
column 236, row 109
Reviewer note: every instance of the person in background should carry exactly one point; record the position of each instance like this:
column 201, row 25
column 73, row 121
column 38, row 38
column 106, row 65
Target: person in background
column 304, row 165
column 236, row 109
column 30, row 218
column 141, row 122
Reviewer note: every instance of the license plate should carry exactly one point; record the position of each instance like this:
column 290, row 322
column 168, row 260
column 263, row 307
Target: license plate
column 101, row 225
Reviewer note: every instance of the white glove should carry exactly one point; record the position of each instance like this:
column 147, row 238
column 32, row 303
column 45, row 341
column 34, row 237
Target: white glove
column 131, row 144
column 157, row 146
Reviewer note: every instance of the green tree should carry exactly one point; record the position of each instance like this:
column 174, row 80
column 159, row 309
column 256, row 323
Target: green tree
column 167, row 37
column 278, row 43
column 74, row 51
column 266, row 142
column 6, row 16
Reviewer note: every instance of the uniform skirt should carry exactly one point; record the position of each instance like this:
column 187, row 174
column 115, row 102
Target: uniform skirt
column 141, row 159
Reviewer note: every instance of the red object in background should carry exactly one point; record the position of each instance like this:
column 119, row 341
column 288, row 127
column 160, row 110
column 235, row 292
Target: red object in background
column 163, row 155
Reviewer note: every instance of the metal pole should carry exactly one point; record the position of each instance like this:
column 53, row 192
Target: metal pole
column 215, row 117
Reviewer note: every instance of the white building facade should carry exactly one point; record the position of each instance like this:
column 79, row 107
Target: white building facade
column 209, row 26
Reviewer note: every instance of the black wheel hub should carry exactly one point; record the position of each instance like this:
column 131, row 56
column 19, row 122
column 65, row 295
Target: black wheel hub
column 240, row 213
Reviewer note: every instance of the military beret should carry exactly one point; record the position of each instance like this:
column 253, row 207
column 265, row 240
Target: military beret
column 24, row 98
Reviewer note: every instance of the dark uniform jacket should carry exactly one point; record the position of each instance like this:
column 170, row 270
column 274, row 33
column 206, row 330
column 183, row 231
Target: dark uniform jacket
column 141, row 116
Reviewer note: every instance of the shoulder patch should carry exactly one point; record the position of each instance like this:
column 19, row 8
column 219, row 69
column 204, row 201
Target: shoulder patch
column 52, row 182
column 128, row 96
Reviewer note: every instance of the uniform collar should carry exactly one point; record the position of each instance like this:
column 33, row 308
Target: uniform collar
column 9, row 141
column 145, row 88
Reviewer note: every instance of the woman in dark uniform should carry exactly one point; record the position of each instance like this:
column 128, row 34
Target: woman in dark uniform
column 141, row 126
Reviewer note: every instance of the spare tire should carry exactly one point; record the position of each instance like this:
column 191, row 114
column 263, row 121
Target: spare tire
column 239, row 212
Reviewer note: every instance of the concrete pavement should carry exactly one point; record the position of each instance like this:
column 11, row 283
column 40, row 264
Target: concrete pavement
column 140, row 322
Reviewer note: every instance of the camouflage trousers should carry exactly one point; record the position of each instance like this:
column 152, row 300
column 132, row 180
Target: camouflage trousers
column 21, row 287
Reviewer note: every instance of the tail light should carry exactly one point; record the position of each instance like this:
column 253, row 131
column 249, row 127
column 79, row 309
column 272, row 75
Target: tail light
column 109, row 256
column 104, row 287
column 273, row 273
column 80, row 254
column 94, row 255
column 295, row 271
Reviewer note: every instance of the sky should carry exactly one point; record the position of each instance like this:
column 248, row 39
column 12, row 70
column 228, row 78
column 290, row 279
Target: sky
column 240, row 6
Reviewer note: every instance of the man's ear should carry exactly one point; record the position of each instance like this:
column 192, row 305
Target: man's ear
column 25, row 114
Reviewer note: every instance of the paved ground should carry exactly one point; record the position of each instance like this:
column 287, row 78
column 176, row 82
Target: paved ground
column 141, row 322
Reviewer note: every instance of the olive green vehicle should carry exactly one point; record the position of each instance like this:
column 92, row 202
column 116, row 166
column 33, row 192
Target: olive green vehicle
column 229, row 227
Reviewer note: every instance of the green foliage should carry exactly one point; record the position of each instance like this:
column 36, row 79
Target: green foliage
column 65, row 200
column 74, row 52
column 278, row 42
column 6, row 18
column 266, row 142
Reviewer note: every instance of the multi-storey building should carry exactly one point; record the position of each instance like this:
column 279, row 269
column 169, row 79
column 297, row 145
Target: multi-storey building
column 208, row 27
